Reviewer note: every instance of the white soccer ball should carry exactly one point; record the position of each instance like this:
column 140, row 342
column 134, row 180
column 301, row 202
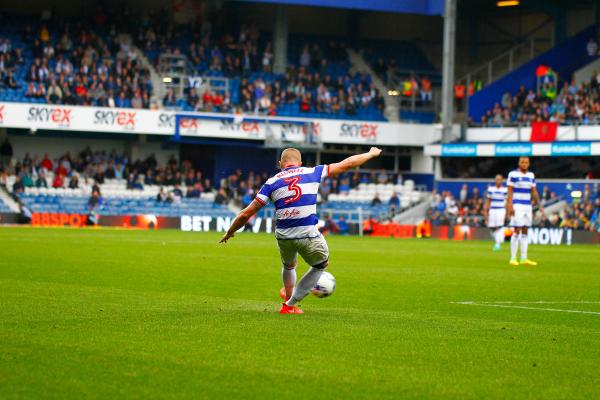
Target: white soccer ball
column 325, row 286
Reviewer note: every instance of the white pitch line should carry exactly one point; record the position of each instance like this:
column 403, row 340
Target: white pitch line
column 471, row 303
column 530, row 302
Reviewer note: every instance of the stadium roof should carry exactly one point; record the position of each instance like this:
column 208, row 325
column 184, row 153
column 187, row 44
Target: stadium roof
column 424, row 7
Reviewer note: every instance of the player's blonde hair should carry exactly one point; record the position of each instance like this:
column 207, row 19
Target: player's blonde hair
column 290, row 156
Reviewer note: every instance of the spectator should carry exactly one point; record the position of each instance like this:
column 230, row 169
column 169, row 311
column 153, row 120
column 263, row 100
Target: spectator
column 545, row 194
column 169, row 100
column 464, row 192
column 329, row 226
column 592, row 48
column 221, row 197
column 376, row 200
column 194, row 191
column 305, row 60
column 47, row 163
column 18, row 186
column 207, row 186
column 41, row 180
column 394, row 203
column 138, row 183
column 25, row 213
column 176, row 194
column 119, row 171
column 425, row 90
column 95, row 200
column 162, row 196
column 74, row 182
column 59, row 180
column 344, row 186
column 10, row 82
column 342, row 225
column 54, row 94
column 26, row 179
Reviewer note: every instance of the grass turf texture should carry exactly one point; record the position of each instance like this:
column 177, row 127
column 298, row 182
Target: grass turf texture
column 148, row 314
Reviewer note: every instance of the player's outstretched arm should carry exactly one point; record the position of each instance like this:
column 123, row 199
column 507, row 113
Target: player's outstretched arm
column 241, row 220
column 353, row 162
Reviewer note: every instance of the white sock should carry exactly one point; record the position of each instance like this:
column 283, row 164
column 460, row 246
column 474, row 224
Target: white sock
column 500, row 235
column 305, row 285
column 524, row 244
column 288, row 276
column 514, row 245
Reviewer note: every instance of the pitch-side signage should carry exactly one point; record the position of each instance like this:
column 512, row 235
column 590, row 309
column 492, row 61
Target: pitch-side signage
column 226, row 126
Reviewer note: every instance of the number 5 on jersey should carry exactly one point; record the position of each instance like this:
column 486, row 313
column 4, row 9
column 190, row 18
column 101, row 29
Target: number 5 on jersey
column 293, row 187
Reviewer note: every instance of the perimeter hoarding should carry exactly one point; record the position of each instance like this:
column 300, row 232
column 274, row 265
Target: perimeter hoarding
column 206, row 223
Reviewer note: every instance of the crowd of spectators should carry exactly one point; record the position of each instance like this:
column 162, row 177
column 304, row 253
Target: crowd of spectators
column 410, row 84
column 310, row 84
column 310, row 93
column 94, row 167
column 309, row 87
column 88, row 167
column 583, row 213
column 83, row 68
column 10, row 59
column 71, row 64
column 229, row 55
column 445, row 209
column 570, row 103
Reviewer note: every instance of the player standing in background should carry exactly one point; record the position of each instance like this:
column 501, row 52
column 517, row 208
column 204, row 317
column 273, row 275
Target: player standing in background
column 521, row 189
column 294, row 191
column 495, row 211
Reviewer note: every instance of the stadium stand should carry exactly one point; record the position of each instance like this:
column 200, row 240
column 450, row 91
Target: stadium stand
column 4, row 208
column 70, row 65
column 571, row 104
column 42, row 63
column 582, row 213
column 564, row 59
column 110, row 184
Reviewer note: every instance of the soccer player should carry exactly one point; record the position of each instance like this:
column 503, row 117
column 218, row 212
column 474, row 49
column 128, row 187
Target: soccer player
column 293, row 191
column 521, row 189
column 495, row 211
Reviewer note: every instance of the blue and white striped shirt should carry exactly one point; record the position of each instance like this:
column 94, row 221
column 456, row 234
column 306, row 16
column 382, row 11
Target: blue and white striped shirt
column 294, row 191
column 497, row 196
column 522, row 184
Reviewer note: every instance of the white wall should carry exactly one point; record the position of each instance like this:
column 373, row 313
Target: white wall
column 585, row 74
column 420, row 163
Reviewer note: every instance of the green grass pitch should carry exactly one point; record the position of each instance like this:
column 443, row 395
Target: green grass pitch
column 166, row 314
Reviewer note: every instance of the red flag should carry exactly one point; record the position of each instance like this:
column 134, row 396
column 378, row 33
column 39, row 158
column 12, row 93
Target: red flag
column 542, row 70
column 544, row 131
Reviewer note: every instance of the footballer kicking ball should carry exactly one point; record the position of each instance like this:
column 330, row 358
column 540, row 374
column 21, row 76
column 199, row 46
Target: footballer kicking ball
column 325, row 286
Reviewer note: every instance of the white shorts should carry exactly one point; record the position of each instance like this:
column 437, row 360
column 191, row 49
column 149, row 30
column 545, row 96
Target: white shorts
column 496, row 217
column 312, row 250
column 522, row 218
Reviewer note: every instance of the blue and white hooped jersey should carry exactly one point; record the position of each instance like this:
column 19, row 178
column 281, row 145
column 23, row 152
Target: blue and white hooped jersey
column 497, row 197
column 294, row 191
column 522, row 184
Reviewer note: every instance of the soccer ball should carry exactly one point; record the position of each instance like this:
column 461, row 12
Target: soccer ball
column 325, row 286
